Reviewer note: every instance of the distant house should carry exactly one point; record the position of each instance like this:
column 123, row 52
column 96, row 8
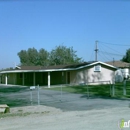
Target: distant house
column 119, row 64
column 123, row 71
column 83, row 73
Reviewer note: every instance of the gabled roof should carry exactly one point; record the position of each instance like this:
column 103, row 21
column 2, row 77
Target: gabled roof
column 119, row 64
column 53, row 67
column 19, row 69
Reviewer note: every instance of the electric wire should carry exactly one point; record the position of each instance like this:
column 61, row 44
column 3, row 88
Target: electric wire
column 103, row 52
column 103, row 57
column 106, row 51
column 114, row 44
column 111, row 49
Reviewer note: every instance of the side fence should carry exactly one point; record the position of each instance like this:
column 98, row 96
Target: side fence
column 36, row 95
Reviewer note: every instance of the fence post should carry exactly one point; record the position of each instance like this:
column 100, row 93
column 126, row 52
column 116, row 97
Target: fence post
column 113, row 90
column 61, row 92
column 31, row 96
column 124, row 88
column 87, row 91
column 110, row 88
column 31, row 90
column 38, row 96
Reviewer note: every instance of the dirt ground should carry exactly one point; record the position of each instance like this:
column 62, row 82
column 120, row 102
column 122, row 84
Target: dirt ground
column 50, row 118
column 61, row 112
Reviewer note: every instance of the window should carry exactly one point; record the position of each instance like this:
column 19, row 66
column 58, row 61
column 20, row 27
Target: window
column 97, row 68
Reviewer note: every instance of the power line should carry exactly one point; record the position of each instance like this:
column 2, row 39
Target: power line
column 101, row 50
column 104, row 57
column 110, row 53
column 114, row 44
column 111, row 48
column 106, row 52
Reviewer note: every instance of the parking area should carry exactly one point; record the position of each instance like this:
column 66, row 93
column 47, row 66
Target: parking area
column 22, row 96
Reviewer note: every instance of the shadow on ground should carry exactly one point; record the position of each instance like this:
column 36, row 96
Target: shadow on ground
column 66, row 101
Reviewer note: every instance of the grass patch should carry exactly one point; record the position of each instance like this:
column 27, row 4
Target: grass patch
column 72, row 89
column 21, row 114
column 12, row 89
column 15, row 114
column 97, row 90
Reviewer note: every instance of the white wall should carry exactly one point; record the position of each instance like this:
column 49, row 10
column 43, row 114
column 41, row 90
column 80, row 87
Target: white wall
column 88, row 75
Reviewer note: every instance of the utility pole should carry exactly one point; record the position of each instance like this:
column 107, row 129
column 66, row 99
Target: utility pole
column 96, row 50
column 113, row 61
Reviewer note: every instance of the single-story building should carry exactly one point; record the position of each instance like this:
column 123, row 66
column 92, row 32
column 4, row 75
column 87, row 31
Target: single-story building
column 83, row 73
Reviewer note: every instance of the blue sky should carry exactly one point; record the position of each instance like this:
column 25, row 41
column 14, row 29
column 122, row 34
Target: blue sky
column 73, row 23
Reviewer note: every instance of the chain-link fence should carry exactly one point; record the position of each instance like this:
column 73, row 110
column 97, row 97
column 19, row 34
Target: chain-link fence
column 123, row 88
column 36, row 95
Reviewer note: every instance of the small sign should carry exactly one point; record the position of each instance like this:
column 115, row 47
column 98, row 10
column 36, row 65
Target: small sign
column 32, row 87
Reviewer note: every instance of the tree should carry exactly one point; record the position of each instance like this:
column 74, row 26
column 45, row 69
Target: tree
column 60, row 55
column 43, row 57
column 126, row 58
column 23, row 55
column 63, row 55
column 29, row 57
column 33, row 57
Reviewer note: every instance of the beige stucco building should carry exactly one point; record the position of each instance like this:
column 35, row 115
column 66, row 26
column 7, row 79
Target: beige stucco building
column 84, row 73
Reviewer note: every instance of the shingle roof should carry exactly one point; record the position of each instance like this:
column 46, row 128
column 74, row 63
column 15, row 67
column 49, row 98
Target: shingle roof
column 119, row 64
column 19, row 69
column 53, row 67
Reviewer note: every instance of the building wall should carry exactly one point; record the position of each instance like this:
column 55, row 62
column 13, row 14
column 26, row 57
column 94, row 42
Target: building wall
column 3, row 79
column 11, row 78
column 87, row 75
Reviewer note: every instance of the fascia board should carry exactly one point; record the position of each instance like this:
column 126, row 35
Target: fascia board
column 51, row 70
column 108, row 65
column 98, row 62
column 22, row 71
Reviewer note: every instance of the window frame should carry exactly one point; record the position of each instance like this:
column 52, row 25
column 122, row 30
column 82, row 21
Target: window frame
column 99, row 68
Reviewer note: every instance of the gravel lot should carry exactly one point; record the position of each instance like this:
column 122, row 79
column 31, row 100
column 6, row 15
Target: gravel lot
column 72, row 112
column 48, row 118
